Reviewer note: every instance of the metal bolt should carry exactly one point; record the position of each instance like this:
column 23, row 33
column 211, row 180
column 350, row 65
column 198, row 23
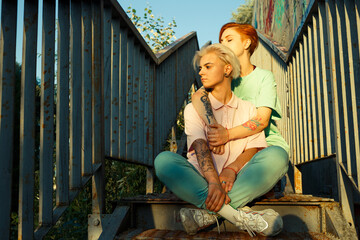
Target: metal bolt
column 96, row 222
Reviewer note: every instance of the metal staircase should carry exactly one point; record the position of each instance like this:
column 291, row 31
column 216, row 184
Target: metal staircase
column 156, row 216
column 114, row 99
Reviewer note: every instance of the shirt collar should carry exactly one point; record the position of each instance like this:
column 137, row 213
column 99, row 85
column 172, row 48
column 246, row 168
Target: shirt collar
column 216, row 104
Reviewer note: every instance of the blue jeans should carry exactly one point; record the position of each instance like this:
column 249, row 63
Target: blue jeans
column 259, row 176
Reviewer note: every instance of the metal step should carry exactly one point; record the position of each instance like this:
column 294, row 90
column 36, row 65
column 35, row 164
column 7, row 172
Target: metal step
column 158, row 214
column 177, row 234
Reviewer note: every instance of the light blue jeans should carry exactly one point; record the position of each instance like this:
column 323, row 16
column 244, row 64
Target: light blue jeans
column 259, row 176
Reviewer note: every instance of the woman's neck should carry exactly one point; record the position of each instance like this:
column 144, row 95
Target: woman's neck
column 246, row 66
column 222, row 92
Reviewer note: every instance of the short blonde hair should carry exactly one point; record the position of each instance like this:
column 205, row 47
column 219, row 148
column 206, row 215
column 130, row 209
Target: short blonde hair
column 224, row 53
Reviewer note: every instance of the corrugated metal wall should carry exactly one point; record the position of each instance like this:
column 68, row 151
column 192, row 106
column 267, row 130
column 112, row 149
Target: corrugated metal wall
column 109, row 95
column 318, row 85
column 150, row 93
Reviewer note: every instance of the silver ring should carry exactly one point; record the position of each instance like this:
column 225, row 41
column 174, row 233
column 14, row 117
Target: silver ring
column 223, row 182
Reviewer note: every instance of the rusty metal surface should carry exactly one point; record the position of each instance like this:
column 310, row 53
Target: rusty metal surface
column 145, row 90
column 322, row 75
column 110, row 91
column 47, row 114
column 86, row 106
column 27, row 122
column 147, row 87
column 153, row 198
column 107, row 73
column 300, row 213
column 75, row 96
column 7, row 109
column 62, row 105
column 166, row 234
column 98, row 184
column 298, row 198
column 170, row 197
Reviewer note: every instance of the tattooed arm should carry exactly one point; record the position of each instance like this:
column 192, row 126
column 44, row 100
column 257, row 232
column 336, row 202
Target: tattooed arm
column 218, row 135
column 254, row 125
column 202, row 105
column 216, row 194
column 201, row 102
column 205, row 160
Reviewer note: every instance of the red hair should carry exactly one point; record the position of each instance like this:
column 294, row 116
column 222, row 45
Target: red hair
column 246, row 31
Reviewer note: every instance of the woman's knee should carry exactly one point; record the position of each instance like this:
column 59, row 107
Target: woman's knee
column 167, row 163
column 161, row 162
column 275, row 156
column 280, row 157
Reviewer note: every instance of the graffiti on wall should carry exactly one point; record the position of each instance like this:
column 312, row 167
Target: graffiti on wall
column 269, row 17
column 279, row 8
column 278, row 20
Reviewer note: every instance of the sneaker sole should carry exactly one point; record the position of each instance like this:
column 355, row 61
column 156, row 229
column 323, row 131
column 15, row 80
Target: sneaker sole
column 188, row 222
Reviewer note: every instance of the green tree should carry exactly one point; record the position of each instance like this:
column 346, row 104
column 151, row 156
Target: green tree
column 153, row 29
column 244, row 13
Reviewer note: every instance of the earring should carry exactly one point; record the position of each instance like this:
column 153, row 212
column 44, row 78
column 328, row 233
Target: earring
column 226, row 75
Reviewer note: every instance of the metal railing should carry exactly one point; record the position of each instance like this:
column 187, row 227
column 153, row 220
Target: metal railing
column 318, row 82
column 108, row 96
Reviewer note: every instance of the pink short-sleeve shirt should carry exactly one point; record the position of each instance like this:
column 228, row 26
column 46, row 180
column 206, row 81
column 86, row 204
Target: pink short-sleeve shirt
column 234, row 113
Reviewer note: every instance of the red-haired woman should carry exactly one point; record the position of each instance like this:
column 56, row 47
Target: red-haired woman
column 255, row 85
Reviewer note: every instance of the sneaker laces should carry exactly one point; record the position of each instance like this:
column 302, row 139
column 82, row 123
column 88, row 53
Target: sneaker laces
column 217, row 223
column 206, row 220
column 250, row 221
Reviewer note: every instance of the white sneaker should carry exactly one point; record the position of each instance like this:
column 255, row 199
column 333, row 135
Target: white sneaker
column 194, row 220
column 266, row 222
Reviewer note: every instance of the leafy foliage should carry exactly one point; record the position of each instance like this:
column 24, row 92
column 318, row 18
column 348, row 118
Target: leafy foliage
column 125, row 180
column 244, row 12
column 73, row 223
column 153, row 29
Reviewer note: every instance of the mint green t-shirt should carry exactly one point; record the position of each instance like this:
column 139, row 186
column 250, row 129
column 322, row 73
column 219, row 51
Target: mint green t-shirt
column 259, row 88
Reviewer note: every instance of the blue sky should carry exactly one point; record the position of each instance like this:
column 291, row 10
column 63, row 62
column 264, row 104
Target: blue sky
column 203, row 16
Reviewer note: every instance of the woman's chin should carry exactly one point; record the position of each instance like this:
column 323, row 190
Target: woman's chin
column 208, row 86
